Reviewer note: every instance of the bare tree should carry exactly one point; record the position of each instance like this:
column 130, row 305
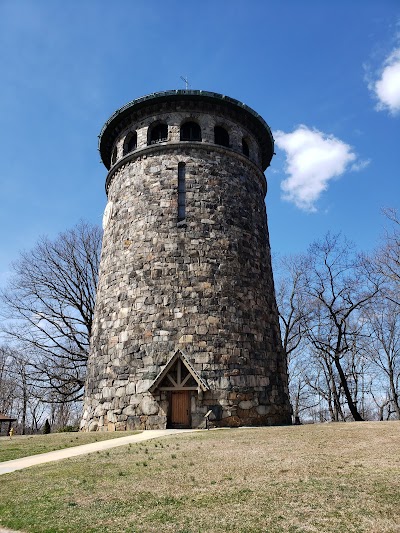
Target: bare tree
column 387, row 257
column 36, row 412
column 293, row 308
column 18, row 394
column 340, row 320
column 322, row 378
column 8, row 382
column 64, row 414
column 292, row 302
column 339, row 288
column 383, row 350
column 48, row 307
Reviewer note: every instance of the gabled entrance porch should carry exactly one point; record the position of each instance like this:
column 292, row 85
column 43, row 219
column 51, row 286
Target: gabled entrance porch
column 181, row 384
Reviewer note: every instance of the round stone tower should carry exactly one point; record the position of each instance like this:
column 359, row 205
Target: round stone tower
column 186, row 320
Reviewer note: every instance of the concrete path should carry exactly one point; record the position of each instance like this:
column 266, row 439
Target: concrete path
column 33, row 460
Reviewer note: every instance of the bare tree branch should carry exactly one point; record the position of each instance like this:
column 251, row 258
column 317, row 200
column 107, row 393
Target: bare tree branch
column 48, row 307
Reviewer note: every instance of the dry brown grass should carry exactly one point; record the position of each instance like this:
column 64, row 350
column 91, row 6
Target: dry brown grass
column 321, row 478
column 25, row 445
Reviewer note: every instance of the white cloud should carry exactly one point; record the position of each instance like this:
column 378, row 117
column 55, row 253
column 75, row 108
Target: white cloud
column 387, row 87
column 313, row 159
column 360, row 165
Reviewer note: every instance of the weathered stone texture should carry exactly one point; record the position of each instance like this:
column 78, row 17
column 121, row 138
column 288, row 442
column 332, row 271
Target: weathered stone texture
column 203, row 285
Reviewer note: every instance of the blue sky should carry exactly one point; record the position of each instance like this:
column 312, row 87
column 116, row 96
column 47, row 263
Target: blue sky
column 324, row 75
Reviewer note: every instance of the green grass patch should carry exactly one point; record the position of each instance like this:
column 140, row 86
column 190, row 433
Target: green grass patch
column 25, row 445
column 336, row 478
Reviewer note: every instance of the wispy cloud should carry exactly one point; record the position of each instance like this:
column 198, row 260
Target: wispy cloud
column 386, row 84
column 313, row 159
column 360, row 165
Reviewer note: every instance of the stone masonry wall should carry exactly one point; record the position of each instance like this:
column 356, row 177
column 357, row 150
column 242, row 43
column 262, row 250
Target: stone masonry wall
column 206, row 121
column 204, row 286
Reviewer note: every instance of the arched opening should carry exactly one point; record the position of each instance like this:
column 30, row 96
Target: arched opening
column 221, row 136
column 245, row 148
column 158, row 134
column 130, row 142
column 190, row 131
column 114, row 156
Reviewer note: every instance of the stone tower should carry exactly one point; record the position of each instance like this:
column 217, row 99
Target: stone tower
column 186, row 319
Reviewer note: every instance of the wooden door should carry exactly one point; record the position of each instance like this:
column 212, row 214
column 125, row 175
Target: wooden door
column 180, row 409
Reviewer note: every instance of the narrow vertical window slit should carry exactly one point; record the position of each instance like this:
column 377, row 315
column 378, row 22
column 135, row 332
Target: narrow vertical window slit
column 181, row 192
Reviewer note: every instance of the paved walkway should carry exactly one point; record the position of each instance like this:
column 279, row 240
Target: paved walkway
column 33, row 460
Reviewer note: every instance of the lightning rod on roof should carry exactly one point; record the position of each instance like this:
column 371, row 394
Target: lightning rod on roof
column 186, row 82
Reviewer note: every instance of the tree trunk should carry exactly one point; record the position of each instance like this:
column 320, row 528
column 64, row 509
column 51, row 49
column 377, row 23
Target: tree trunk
column 393, row 391
column 352, row 406
column 24, row 398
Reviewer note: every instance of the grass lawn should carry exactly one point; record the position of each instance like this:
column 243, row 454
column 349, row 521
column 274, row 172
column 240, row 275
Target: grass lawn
column 317, row 478
column 24, row 445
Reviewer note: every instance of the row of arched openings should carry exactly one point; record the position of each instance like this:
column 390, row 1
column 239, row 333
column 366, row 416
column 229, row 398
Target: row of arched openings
column 190, row 131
